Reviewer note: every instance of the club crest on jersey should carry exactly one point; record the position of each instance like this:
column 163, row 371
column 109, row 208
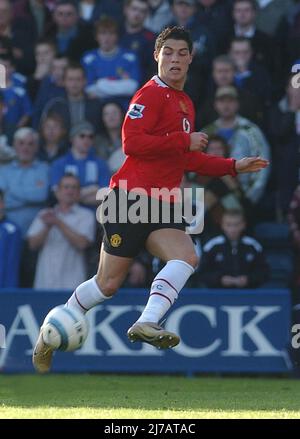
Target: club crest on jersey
column 186, row 125
column 115, row 240
column 136, row 111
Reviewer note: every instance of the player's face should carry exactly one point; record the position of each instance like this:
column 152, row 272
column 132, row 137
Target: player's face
column 233, row 226
column 173, row 61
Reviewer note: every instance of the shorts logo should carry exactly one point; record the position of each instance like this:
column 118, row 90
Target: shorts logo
column 115, row 240
column 136, row 111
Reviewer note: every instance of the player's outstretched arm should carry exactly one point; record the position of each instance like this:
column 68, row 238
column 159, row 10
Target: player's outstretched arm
column 250, row 164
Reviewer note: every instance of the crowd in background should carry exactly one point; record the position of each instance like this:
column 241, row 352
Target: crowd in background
column 71, row 69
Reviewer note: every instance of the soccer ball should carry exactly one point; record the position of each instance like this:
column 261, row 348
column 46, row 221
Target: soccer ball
column 65, row 328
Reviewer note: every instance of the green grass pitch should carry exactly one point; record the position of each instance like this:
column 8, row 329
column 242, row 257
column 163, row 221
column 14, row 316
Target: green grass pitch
column 136, row 396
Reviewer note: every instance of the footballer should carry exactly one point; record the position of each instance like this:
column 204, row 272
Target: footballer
column 160, row 144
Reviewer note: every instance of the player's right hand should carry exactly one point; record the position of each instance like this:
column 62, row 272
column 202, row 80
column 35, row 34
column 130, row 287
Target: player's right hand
column 198, row 141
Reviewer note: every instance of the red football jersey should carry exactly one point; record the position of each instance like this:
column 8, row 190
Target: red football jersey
column 156, row 140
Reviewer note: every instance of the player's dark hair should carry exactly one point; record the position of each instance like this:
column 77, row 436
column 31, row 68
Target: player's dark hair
column 174, row 33
column 1, row 194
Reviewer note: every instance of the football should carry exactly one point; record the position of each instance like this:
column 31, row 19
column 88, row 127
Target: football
column 65, row 328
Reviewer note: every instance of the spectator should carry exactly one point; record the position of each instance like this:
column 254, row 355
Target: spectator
column 249, row 75
column 6, row 49
column 52, row 86
column 284, row 130
column 232, row 259
column 53, row 138
column 109, row 143
column 62, row 234
column 34, row 15
column 92, row 10
column 18, row 108
column 223, row 76
column 24, row 180
column 244, row 17
column 22, row 38
column 10, row 250
column 6, row 152
column 136, row 38
column 216, row 16
column 44, row 57
column 72, row 38
column 110, row 70
column 81, row 161
column 272, row 16
column 74, row 106
column 158, row 16
column 244, row 137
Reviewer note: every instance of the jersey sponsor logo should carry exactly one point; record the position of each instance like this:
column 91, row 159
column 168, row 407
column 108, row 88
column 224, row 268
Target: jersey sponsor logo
column 136, row 111
column 115, row 240
column 186, row 125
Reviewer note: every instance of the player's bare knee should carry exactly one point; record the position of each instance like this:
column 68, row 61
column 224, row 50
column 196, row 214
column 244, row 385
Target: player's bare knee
column 108, row 286
column 192, row 260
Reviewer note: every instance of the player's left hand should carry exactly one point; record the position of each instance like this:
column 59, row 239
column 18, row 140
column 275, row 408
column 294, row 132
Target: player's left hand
column 250, row 164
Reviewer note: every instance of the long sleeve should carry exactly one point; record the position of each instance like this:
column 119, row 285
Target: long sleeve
column 209, row 165
column 138, row 133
